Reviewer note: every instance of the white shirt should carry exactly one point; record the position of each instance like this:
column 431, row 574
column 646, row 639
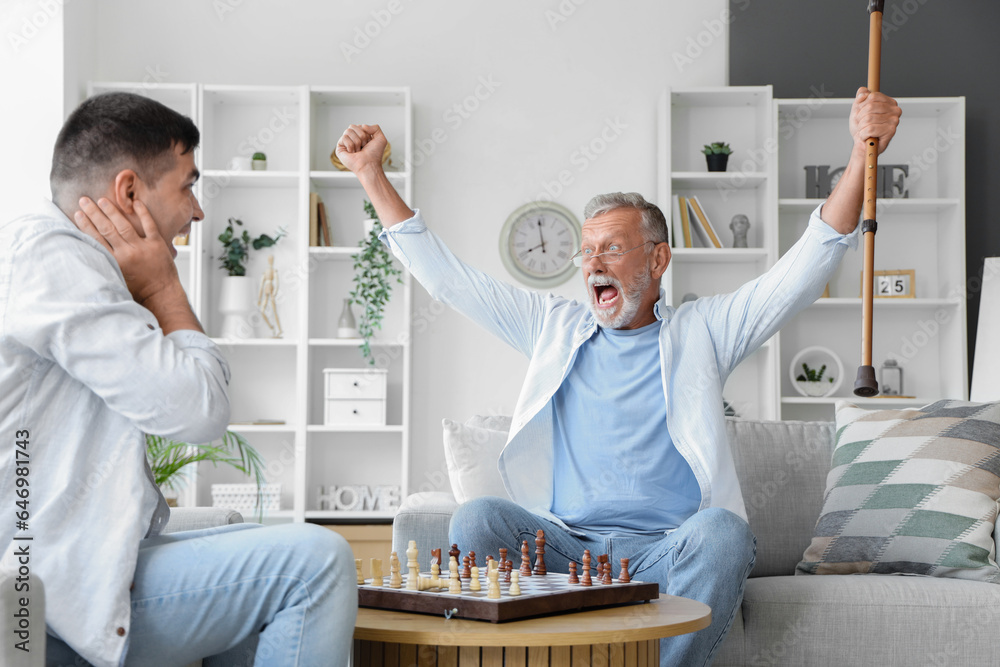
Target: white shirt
column 701, row 342
column 86, row 371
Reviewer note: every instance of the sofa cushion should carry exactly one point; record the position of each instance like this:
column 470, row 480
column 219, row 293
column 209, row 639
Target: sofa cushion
column 471, row 451
column 781, row 467
column 911, row 491
column 870, row 620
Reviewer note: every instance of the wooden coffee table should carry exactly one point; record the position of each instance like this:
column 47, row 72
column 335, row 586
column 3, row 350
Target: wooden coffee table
column 613, row 637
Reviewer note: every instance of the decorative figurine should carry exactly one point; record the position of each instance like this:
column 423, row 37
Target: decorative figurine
column 267, row 297
column 739, row 226
column 891, row 378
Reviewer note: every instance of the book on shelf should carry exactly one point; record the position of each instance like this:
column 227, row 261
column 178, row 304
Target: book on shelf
column 680, row 216
column 313, row 219
column 324, row 225
column 702, row 225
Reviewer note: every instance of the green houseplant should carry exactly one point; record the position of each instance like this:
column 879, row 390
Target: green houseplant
column 258, row 162
column 373, row 273
column 167, row 458
column 236, row 246
column 811, row 380
column 717, row 155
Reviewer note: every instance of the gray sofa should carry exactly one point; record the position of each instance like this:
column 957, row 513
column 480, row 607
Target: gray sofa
column 181, row 519
column 806, row 619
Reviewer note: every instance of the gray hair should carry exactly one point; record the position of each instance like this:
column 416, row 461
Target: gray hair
column 653, row 225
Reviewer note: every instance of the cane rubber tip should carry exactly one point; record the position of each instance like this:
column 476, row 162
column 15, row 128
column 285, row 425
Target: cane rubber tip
column 866, row 385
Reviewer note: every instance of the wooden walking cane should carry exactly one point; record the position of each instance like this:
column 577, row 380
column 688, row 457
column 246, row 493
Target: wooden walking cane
column 866, row 384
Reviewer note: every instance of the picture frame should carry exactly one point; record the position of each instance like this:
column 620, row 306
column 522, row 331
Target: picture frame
column 894, row 284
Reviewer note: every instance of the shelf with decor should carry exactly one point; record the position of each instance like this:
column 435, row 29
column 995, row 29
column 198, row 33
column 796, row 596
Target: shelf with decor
column 921, row 228
column 280, row 379
column 742, row 117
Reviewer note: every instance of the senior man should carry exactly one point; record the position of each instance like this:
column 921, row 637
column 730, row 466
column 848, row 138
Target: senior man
column 618, row 442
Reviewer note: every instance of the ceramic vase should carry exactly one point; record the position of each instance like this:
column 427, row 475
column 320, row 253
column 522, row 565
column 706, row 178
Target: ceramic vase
column 347, row 327
column 236, row 302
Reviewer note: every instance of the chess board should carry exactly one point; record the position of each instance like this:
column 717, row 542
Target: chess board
column 541, row 595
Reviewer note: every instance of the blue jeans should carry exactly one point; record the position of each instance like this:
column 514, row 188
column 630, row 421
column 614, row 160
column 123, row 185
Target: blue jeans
column 708, row 558
column 245, row 594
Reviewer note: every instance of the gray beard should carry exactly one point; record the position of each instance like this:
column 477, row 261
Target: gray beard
column 631, row 301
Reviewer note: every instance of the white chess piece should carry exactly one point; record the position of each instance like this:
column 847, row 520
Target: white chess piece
column 493, row 576
column 515, row 588
column 395, row 579
column 474, row 580
column 412, row 567
column 376, row 568
column 455, row 585
column 357, row 566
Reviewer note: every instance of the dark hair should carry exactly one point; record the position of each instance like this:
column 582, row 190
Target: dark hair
column 114, row 131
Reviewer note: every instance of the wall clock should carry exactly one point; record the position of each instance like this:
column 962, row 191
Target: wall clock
column 537, row 243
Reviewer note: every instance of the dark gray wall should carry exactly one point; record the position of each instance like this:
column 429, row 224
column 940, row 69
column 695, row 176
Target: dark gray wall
column 941, row 48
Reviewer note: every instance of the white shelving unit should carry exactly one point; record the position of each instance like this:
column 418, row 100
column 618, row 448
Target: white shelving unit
column 924, row 232
column 773, row 140
column 282, row 379
column 741, row 116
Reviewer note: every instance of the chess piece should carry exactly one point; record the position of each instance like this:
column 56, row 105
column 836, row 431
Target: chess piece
column 357, row 565
column 586, row 580
column 472, row 558
column 267, row 297
column 376, row 565
column 503, row 558
column 515, row 587
column 435, row 563
column 540, row 552
column 573, row 579
column 395, row 579
column 455, row 585
column 493, row 585
column 603, row 569
column 525, row 560
column 467, row 566
column 474, row 580
column 412, row 567
column 455, row 553
column 507, row 567
column 623, row 577
column 739, row 226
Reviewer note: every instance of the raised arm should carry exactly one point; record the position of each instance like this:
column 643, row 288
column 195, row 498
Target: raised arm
column 360, row 149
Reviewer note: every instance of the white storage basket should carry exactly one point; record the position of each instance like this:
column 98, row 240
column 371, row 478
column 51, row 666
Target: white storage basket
column 243, row 497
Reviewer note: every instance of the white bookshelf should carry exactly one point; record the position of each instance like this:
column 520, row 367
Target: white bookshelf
column 773, row 140
column 742, row 117
column 282, row 379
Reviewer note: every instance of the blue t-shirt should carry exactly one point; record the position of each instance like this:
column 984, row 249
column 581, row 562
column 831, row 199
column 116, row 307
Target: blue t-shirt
column 616, row 468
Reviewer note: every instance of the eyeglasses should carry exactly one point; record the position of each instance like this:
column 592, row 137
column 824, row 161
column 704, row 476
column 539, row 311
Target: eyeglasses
column 609, row 257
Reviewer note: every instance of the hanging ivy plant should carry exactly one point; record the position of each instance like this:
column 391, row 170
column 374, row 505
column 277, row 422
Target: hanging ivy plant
column 373, row 274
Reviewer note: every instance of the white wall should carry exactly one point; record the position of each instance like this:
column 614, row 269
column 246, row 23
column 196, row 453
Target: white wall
column 561, row 77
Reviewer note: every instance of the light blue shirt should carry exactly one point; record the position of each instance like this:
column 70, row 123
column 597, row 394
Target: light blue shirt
column 87, row 371
column 701, row 342
column 616, row 468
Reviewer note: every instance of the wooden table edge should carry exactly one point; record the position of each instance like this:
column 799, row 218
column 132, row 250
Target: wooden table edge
column 425, row 629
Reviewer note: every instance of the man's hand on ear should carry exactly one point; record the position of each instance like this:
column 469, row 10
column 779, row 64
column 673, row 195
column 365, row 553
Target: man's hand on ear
column 144, row 258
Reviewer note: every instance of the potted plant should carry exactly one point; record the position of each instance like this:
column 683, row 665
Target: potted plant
column 717, row 155
column 373, row 273
column 167, row 458
column 258, row 162
column 812, row 382
column 236, row 296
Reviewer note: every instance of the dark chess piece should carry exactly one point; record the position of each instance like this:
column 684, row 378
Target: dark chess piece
column 623, row 577
column 507, row 567
column 586, row 580
column 472, row 559
column 573, row 579
column 455, row 552
column 525, row 569
column 540, row 552
column 466, row 568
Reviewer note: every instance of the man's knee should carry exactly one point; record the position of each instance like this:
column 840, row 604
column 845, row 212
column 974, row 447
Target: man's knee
column 322, row 545
column 722, row 529
column 475, row 516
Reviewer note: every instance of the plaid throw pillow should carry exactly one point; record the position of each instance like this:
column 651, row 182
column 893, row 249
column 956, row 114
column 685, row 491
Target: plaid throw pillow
column 911, row 491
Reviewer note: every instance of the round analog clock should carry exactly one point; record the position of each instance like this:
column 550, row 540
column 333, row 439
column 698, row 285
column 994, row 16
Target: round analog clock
column 537, row 243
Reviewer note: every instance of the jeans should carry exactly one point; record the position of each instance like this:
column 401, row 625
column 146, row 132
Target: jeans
column 708, row 558
column 244, row 594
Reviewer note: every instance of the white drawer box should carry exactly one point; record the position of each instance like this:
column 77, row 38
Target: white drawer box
column 355, row 383
column 346, row 412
